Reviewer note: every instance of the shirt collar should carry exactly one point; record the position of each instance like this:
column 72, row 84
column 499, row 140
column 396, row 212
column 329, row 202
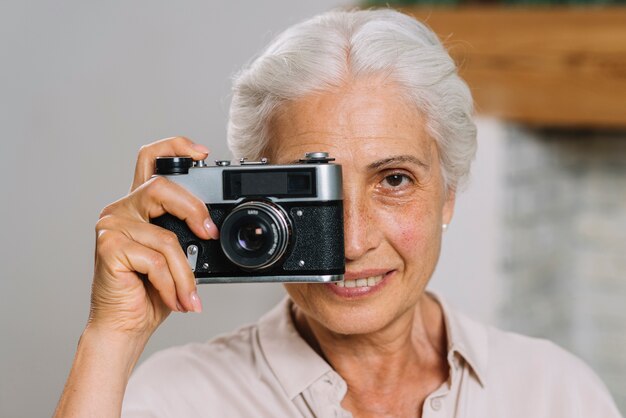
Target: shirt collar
column 295, row 364
column 466, row 337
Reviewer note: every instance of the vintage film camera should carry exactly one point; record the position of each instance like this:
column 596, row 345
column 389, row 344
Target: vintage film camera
column 278, row 223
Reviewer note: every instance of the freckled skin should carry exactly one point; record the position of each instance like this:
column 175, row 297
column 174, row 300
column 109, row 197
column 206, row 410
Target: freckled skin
column 359, row 124
column 389, row 346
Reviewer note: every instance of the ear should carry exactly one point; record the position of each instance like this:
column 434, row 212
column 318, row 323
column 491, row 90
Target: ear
column 448, row 206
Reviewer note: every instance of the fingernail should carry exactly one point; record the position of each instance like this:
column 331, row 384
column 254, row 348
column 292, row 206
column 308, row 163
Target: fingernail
column 200, row 148
column 179, row 307
column 195, row 302
column 211, row 229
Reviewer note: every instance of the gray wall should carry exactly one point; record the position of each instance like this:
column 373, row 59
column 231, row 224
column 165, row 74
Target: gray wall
column 564, row 260
column 82, row 87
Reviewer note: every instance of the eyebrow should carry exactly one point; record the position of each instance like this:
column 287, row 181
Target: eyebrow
column 376, row 165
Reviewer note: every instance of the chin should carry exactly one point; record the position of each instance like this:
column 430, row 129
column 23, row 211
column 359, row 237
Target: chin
column 363, row 314
column 352, row 320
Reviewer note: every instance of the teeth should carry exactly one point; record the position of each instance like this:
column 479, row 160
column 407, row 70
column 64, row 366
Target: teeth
column 364, row 282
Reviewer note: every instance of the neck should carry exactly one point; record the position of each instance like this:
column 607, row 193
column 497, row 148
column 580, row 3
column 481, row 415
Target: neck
column 411, row 348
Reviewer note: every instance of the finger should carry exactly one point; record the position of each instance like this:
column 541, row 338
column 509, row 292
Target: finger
column 156, row 298
column 154, row 265
column 166, row 243
column 136, row 257
column 169, row 147
column 159, row 196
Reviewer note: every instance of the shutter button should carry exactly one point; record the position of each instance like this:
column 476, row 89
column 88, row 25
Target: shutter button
column 435, row 403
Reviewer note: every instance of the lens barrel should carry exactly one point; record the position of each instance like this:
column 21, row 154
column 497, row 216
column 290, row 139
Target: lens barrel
column 255, row 235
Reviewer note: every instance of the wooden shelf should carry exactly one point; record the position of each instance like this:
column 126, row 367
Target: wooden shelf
column 542, row 66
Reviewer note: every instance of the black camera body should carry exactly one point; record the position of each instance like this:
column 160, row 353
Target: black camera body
column 278, row 223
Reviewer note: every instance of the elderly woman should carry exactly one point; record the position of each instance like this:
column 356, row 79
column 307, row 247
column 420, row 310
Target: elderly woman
column 376, row 90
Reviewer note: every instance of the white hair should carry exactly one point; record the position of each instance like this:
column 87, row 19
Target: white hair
column 322, row 53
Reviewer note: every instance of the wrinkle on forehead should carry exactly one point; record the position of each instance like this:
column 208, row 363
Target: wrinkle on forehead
column 361, row 121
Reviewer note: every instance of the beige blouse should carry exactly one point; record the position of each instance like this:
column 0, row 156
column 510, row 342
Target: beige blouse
column 268, row 370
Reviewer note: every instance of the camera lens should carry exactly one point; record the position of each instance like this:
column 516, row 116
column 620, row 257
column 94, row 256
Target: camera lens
column 255, row 235
column 252, row 236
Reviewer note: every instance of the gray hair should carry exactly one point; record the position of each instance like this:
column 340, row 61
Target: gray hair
column 322, row 53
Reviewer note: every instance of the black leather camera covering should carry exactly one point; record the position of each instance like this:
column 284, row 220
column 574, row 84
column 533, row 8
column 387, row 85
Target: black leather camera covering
column 316, row 239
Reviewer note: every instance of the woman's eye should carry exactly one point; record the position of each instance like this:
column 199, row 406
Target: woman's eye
column 396, row 181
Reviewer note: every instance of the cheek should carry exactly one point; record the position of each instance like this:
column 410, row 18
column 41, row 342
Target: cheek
column 297, row 291
column 410, row 231
column 409, row 238
column 303, row 294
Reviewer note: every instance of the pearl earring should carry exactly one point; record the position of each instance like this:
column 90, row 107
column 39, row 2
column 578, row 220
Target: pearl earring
column 444, row 227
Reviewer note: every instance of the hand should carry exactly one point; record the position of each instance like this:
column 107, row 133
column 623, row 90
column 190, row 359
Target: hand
column 141, row 272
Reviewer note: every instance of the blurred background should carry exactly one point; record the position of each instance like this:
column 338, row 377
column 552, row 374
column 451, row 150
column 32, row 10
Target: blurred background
column 538, row 243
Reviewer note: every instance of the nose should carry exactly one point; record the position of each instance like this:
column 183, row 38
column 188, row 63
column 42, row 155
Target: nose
column 360, row 230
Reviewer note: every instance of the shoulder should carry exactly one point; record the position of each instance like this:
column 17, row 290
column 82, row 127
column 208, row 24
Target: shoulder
column 197, row 377
column 525, row 376
column 535, row 356
column 501, row 356
column 522, row 368
column 227, row 351
column 511, row 350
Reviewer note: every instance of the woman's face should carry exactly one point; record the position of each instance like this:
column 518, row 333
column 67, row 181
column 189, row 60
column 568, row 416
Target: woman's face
column 394, row 201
